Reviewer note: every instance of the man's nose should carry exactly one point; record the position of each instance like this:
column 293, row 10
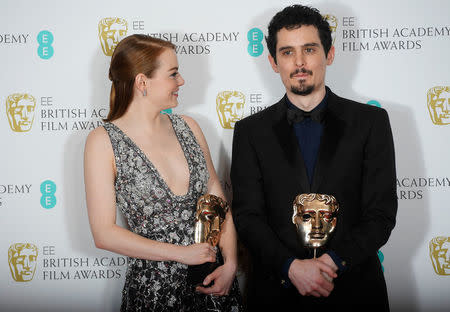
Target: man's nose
column 299, row 60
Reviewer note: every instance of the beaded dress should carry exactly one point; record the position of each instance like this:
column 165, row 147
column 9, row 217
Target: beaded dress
column 154, row 212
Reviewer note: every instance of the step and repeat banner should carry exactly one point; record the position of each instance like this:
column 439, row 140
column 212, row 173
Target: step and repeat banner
column 54, row 58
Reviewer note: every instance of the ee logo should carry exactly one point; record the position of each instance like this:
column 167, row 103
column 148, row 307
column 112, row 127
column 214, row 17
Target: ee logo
column 45, row 40
column 48, row 199
column 381, row 258
column 255, row 37
column 374, row 103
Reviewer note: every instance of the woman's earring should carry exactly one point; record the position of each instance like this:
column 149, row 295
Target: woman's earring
column 144, row 93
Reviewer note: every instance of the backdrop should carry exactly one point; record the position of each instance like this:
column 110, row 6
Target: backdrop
column 54, row 58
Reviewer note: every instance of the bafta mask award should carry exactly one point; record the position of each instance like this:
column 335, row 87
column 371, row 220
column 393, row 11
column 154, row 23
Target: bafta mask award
column 315, row 218
column 209, row 217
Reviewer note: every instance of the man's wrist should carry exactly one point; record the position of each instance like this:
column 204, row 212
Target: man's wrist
column 341, row 264
column 285, row 280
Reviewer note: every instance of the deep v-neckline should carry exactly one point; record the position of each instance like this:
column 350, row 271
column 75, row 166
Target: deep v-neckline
column 153, row 167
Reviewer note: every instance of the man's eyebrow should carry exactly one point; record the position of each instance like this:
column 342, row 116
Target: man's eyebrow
column 309, row 44
column 173, row 68
column 284, row 48
column 312, row 44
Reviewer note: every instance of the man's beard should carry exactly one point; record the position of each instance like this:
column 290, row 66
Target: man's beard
column 302, row 88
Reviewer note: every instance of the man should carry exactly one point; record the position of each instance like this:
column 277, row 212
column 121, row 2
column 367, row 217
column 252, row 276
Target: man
column 340, row 148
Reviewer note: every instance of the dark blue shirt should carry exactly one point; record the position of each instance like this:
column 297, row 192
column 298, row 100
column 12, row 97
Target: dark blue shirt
column 308, row 133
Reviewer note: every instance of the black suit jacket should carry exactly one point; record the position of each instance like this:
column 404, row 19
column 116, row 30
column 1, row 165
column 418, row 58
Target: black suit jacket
column 355, row 163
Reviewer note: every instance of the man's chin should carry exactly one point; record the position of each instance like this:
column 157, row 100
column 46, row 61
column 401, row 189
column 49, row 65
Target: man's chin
column 304, row 90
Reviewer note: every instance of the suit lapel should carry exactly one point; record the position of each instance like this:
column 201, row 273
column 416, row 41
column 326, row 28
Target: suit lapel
column 333, row 130
column 289, row 144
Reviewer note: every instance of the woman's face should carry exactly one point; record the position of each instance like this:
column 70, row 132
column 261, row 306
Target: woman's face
column 166, row 81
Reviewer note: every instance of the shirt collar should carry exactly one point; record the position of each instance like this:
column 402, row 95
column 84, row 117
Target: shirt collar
column 322, row 105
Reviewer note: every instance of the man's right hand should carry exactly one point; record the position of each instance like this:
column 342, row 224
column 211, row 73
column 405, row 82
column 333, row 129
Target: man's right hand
column 306, row 276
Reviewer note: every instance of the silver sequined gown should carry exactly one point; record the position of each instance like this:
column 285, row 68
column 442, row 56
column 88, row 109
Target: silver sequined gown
column 153, row 211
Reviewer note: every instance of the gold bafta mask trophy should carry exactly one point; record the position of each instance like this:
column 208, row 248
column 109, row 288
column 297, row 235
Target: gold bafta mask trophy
column 315, row 218
column 209, row 217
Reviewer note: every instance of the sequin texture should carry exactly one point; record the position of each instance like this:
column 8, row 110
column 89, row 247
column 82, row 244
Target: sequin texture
column 154, row 212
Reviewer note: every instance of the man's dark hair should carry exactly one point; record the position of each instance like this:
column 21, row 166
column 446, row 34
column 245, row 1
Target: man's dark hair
column 293, row 17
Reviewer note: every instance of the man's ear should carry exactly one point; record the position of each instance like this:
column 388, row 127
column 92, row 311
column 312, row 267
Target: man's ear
column 273, row 63
column 330, row 56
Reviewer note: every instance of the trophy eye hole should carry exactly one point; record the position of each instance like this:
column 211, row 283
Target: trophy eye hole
column 208, row 216
column 327, row 217
column 306, row 217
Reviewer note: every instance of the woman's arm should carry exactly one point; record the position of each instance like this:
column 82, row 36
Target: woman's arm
column 99, row 176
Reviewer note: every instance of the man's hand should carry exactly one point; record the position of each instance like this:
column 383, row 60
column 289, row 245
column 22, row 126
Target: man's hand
column 325, row 258
column 307, row 276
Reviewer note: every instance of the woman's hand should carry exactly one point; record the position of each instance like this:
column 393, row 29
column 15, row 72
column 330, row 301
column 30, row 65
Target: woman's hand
column 223, row 278
column 197, row 254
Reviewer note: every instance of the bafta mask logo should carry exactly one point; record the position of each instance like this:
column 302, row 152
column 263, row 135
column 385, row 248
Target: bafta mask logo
column 110, row 31
column 230, row 108
column 440, row 254
column 22, row 259
column 332, row 20
column 314, row 216
column 438, row 102
column 20, row 109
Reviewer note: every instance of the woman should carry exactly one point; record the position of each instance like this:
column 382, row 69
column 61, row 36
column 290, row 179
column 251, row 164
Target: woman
column 154, row 167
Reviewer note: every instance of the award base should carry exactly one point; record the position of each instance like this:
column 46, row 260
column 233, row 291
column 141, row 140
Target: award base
column 197, row 273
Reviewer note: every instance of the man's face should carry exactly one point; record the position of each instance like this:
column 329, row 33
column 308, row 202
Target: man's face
column 111, row 35
column 315, row 222
column 301, row 60
column 230, row 109
column 23, row 265
column 21, row 115
column 442, row 257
